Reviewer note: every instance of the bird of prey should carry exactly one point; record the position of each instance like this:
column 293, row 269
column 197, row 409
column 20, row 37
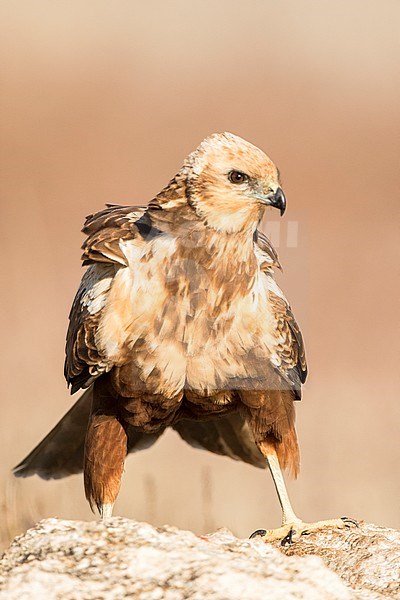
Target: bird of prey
column 178, row 322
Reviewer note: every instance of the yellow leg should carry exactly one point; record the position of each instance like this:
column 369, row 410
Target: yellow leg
column 292, row 527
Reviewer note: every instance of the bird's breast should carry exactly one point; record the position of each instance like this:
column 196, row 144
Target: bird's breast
column 181, row 322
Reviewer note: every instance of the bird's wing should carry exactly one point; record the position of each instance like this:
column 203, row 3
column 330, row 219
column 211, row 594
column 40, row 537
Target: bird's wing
column 288, row 355
column 103, row 255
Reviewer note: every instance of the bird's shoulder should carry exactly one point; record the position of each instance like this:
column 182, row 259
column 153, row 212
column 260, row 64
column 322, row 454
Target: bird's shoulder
column 106, row 229
column 265, row 252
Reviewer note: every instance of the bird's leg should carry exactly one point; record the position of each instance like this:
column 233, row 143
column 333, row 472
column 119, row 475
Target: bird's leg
column 288, row 514
column 292, row 527
column 105, row 452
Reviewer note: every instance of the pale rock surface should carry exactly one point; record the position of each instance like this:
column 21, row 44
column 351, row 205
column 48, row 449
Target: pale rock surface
column 120, row 558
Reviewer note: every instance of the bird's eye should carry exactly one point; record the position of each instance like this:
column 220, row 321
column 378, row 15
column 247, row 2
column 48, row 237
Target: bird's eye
column 237, row 177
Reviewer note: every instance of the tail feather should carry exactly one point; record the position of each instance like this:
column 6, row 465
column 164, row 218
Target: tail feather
column 61, row 452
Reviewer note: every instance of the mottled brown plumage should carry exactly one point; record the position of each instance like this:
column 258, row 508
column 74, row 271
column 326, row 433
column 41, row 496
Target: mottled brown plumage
column 179, row 322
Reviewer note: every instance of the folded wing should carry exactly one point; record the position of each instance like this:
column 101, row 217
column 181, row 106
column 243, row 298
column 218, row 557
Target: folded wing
column 102, row 253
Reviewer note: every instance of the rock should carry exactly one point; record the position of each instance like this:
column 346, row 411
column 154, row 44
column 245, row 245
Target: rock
column 121, row 558
column 367, row 558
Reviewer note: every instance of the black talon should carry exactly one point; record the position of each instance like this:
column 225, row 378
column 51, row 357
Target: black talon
column 258, row 533
column 288, row 540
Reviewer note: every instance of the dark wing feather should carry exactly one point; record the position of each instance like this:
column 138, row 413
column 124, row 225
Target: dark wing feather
column 83, row 361
column 228, row 435
column 60, row 453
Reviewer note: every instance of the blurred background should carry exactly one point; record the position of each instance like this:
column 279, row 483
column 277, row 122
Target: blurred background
column 100, row 102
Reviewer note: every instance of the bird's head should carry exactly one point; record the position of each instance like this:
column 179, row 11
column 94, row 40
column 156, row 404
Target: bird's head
column 230, row 182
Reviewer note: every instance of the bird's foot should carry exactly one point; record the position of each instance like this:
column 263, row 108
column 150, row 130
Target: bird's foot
column 291, row 532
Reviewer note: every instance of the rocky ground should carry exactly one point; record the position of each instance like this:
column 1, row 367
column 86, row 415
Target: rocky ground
column 121, row 558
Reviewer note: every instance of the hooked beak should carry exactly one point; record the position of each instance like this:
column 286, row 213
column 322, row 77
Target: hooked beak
column 276, row 199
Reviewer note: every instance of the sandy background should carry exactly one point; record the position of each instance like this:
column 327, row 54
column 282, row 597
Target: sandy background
column 101, row 102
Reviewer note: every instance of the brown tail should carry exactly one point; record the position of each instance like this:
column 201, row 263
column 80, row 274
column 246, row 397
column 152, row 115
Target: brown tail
column 61, row 452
